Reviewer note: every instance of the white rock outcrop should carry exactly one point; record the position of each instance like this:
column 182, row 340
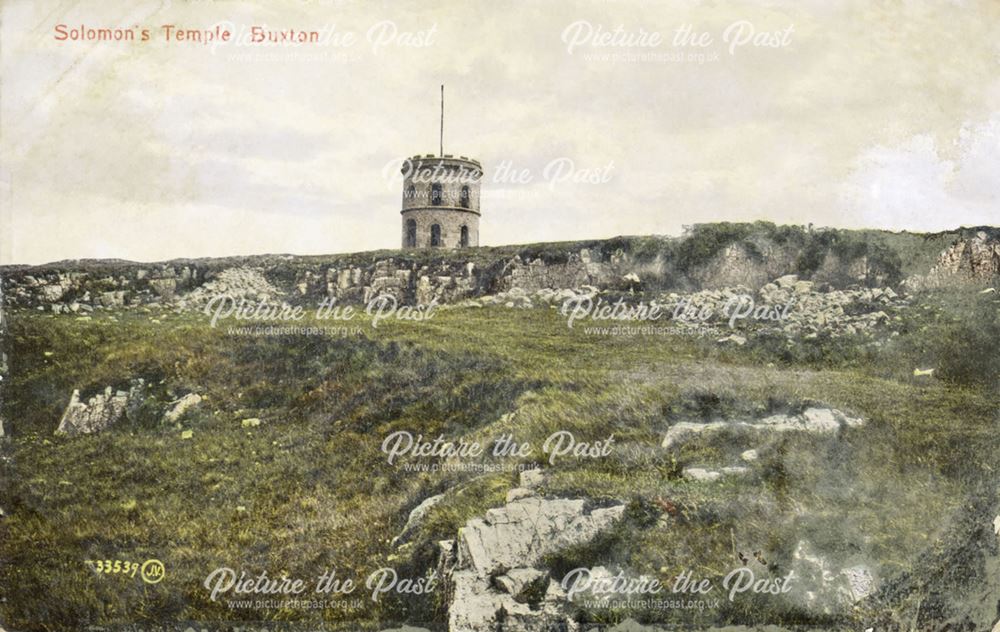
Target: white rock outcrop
column 815, row 420
column 100, row 411
column 491, row 571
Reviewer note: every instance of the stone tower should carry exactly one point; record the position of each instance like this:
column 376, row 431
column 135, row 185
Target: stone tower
column 441, row 202
column 441, row 199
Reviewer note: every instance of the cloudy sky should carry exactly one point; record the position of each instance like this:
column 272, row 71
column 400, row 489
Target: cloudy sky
column 592, row 118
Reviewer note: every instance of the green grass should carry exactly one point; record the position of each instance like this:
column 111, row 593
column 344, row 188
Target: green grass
column 316, row 492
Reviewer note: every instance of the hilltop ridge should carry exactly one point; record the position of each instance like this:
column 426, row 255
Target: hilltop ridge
column 707, row 256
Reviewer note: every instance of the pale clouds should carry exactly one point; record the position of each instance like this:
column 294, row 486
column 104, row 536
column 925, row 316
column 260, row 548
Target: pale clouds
column 913, row 185
column 874, row 115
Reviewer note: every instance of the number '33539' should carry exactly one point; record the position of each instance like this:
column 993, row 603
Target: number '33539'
column 118, row 567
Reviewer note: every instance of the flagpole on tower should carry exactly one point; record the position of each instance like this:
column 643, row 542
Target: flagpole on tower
column 442, row 120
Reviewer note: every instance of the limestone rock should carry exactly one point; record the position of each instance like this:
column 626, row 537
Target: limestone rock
column 972, row 260
column 736, row 339
column 241, row 283
column 181, row 406
column 524, row 531
column 826, row 586
column 815, row 420
column 492, row 577
column 518, row 493
column 787, row 282
column 702, row 474
column 478, row 607
column 525, row 585
column 416, row 518
column 100, row 411
column 532, row 479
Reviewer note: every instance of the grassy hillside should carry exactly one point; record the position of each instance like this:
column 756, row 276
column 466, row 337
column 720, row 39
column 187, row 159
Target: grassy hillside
column 308, row 488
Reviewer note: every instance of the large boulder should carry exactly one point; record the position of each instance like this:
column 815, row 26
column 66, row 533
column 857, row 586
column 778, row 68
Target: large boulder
column 492, row 573
column 522, row 532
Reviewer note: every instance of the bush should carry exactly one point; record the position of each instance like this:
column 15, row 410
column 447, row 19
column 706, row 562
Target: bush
column 968, row 350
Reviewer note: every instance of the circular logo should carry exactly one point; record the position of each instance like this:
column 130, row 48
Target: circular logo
column 152, row 571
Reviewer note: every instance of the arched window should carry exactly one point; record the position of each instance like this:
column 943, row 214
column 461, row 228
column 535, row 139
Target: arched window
column 436, row 194
column 464, row 239
column 411, row 192
column 411, row 233
column 464, row 200
column 435, row 234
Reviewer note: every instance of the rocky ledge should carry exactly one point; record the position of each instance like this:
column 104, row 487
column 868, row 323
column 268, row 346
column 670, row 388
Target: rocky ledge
column 492, row 572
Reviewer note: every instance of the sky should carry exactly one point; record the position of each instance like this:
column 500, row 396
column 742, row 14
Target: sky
column 592, row 118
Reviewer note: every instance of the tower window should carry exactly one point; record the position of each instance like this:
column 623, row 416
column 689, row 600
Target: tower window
column 435, row 235
column 411, row 233
column 464, row 200
column 436, row 195
column 464, row 239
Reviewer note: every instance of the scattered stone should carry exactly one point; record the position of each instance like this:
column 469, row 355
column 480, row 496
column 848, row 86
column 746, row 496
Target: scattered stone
column 749, row 456
column 736, row 339
column 244, row 283
column 251, row 422
column 181, row 406
column 702, row 474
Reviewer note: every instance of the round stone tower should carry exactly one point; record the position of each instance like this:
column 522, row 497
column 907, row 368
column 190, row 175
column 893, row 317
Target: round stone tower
column 441, row 201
